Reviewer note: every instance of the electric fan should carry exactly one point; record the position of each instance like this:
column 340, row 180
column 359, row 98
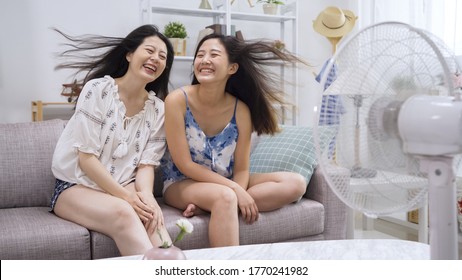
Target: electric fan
column 411, row 127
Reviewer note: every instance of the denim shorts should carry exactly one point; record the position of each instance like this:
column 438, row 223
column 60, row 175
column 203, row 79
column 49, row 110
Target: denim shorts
column 60, row 186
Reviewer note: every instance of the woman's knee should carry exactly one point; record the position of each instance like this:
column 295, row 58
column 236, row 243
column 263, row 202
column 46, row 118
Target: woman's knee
column 123, row 215
column 225, row 198
column 297, row 184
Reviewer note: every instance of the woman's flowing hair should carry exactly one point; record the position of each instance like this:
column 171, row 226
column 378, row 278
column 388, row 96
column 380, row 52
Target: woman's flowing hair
column 97, row 56
column 253, row 83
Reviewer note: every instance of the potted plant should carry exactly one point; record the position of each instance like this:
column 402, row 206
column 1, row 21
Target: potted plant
column 270, row 7
column 176, row 32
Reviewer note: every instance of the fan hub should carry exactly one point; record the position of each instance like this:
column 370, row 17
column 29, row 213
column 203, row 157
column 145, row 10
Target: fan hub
column 431, row 125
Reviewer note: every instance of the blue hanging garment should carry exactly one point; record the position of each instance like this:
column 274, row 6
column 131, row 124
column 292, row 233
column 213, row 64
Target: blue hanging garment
column 332, row 106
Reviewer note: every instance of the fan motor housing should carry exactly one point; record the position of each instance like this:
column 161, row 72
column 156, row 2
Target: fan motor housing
column 431, row 125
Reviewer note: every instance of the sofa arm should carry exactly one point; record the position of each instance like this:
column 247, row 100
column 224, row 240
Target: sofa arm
column 335, row 223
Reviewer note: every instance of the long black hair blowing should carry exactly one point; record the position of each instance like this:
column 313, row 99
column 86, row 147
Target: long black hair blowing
column 101, row 55
column 253, row 83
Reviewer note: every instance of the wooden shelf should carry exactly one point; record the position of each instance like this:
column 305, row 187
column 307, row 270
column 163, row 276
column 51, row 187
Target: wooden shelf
column 261, row 17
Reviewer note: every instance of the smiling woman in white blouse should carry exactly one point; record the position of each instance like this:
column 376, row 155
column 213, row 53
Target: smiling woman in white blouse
column 104, row 160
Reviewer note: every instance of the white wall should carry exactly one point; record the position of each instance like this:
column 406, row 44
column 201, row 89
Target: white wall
column 28, row 46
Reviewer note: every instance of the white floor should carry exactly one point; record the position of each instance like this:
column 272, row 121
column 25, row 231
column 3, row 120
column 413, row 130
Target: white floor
column 382, row 229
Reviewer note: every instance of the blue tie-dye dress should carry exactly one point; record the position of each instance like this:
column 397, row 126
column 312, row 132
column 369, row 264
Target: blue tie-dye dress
column 215, row 152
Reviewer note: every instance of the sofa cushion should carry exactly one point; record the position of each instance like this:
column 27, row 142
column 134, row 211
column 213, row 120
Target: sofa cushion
column 26, row 150
column 102, row 246
column 305, row 218
column 292, row 149
column 33, row 233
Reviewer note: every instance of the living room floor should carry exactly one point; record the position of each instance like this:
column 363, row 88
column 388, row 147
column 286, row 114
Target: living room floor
column 382, row 229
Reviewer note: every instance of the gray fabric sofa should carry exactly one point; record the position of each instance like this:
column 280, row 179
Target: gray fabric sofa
column 29, row 231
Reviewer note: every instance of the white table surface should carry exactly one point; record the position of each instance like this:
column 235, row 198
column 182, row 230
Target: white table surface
column 349, row 249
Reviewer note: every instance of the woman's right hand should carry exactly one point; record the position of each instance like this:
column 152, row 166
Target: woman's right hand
column 94, row 169
column 247, row 205
column 143, row 211
column 157, row 220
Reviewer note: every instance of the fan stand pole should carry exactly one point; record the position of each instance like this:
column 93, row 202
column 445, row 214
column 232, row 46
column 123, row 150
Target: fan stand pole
column 442, row 208
column 357, row 131
column 358, row 171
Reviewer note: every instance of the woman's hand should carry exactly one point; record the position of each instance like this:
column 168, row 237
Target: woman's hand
column 144, row 212
column 157, row 218
column 247, row 205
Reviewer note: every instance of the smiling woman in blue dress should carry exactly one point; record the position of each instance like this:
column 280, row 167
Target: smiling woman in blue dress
column 208, row 126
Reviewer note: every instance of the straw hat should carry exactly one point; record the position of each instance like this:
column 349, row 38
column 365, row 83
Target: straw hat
column 334, row 22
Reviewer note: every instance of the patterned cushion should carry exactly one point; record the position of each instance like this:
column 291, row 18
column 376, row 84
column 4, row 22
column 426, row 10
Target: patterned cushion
column 292, row 150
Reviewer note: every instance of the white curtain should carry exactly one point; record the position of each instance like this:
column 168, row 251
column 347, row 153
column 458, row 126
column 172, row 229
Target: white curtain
column 443, row 18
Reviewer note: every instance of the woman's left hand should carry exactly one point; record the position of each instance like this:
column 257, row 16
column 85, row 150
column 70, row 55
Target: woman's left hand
column 247, row 205
column 158, row 218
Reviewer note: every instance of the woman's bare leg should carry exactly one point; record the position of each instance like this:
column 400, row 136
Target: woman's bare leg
column 272, row 191
column 107, row 214
column 160, row 235
column 219, row 200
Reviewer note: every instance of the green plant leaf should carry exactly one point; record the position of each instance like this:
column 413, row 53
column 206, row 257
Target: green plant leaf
column 175, row 29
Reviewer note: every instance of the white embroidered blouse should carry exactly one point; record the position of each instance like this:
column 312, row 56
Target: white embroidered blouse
column 99, row 127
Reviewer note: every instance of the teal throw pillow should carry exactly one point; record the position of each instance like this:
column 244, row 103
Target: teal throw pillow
column 292, row 149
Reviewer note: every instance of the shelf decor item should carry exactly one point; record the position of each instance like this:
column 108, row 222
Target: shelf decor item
column 218, row 28
column 270, row 7
column 72, row 91
column 279, row 44
column 205, row 5
column 170, row 251
column 176, row 32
